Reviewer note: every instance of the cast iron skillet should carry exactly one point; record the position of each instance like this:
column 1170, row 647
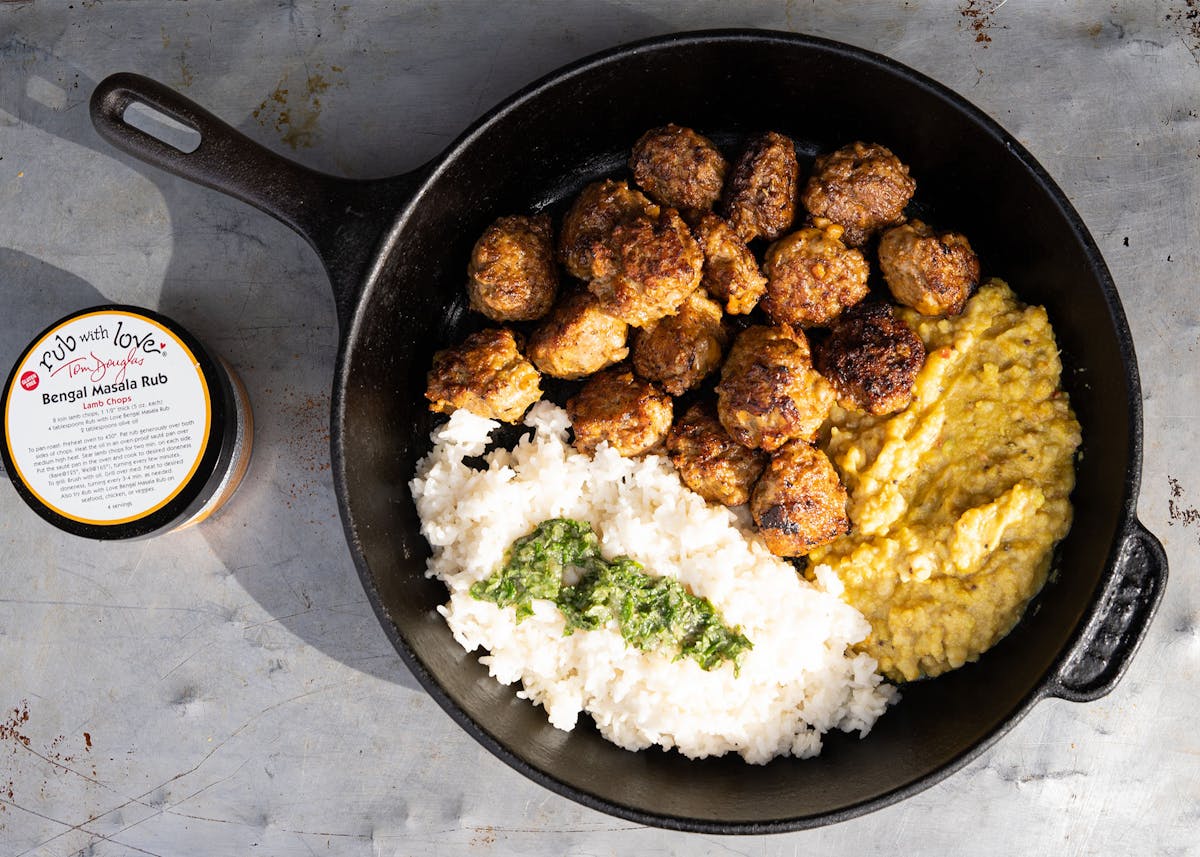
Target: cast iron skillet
column 396, row 252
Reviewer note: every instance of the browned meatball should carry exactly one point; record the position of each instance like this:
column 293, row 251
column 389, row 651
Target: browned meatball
column 812, row 276
column 863, row 186
column 679, row 351
column 512, row 275
column 647, row 268
column 709, row 461
column 872, row 359
column 486, row 374
column 769, row 391
column 760, row 195
column 591, row 219
column 730, row 270
column 577, row 338
column 799, row 503
column 931, row 272
column 679, row 168
column 617, row 406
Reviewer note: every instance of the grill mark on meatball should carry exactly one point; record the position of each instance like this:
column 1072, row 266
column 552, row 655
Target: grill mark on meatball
column 616, row 406
column 680, row 168
column 512, row 275
column 760, row 194
column 932, row 272
column 872, row 358
column 799, row 502
column 647, row 267
column 862, row 186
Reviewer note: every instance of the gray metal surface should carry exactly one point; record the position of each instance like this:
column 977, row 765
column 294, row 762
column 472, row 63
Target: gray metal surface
column 228, row 687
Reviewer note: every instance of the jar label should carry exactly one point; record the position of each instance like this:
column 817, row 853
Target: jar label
column 109, row 417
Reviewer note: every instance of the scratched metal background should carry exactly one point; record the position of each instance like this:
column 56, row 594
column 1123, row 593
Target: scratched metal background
column 228, row 687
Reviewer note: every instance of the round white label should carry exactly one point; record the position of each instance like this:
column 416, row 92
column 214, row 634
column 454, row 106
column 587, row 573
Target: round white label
column 108, row 417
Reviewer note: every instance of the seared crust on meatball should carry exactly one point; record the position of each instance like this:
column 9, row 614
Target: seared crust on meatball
column 934, row 273
column 769, row 391
column 617, row 406
column 812, row 276
column 646, row 269
column 730, row 270
column 872, row 359
column 577, row 338
column 862, row 186
column 679, row 351
column 709, row 461
column 486, row 374
column 512, row 275
column 591, row 219
column 799, row 503
column 760, row 195
column 679, row 168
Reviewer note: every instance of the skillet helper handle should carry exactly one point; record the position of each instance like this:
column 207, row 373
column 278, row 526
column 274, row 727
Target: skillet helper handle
column 342, row 219
column 1119, row 621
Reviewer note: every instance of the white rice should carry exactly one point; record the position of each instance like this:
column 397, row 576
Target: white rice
column 797, row 682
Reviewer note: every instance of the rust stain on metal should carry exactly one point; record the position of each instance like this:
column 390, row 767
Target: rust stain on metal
column 978, row 16
column 1177, row 512
column 12, row 732
column 11, row 729
column 59, row 758
column 294, row 111
column 484, row 836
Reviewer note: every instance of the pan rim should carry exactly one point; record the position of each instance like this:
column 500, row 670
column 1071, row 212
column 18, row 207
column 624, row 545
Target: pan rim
column 436, row 167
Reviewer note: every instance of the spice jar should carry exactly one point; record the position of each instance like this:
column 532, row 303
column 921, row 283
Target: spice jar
column 119, row 424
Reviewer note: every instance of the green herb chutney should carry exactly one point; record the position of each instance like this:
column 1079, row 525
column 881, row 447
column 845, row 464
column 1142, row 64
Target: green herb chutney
column 652, row 613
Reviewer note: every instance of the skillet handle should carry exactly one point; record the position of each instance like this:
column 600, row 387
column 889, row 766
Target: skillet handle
column 1114, row 630
column 344, row 220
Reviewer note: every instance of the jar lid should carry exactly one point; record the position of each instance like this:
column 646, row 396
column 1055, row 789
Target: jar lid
column 114, row 423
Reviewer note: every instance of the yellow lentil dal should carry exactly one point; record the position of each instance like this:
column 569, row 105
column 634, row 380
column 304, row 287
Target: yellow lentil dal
column 957, row 501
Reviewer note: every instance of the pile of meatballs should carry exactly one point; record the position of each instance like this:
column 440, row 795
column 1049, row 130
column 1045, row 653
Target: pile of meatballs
column 696, row 268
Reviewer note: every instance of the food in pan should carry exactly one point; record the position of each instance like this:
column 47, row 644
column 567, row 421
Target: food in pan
column 588, row 224
column 577, row 338
column 617, row 408
column 560, row 561
column 731, row 272
column 512, row 275
column 769, row 391
column 863, row 187
column 709, row 461
column 871, row 358
column 798, row 679
column 799, row 503
column 679, row 168
column 957, row 501
column 914, row 461
column 812, row 276
column 679, row 351
column 646, row 267
column 486, row 374
column 759, row 200
column 931, row 272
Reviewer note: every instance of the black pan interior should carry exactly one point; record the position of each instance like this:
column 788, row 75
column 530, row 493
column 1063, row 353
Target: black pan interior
column 540, row 148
